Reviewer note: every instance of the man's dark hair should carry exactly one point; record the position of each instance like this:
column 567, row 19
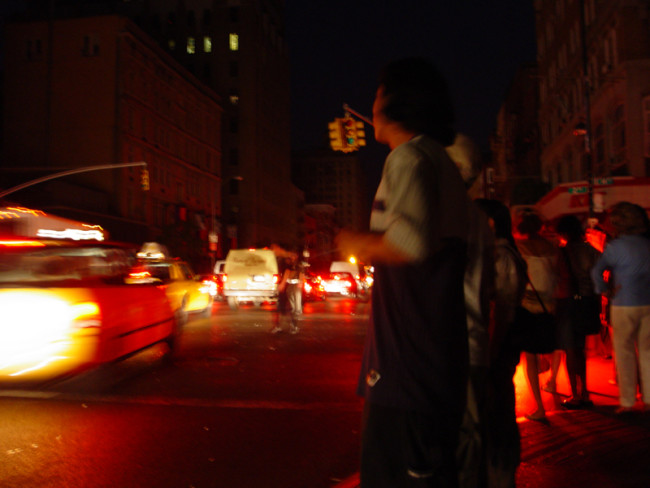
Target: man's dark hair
column 530, row 224
column 571, row 227
column 418, row 98
column 500, row 214
column 629, row 219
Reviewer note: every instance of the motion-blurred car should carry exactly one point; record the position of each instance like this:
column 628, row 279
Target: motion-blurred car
column 186, row 291
column 250, row 276
column 340, row 284
column 65, row 306
column 362, row 279
column 312, row 289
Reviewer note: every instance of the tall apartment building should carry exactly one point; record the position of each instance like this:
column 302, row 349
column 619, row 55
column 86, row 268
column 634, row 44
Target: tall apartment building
column 238, row 48
column 611, row 98
column 90, row 91
column 514, row 175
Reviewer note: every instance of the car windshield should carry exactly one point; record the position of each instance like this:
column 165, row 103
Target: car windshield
column 45, row 266
column 158, row 270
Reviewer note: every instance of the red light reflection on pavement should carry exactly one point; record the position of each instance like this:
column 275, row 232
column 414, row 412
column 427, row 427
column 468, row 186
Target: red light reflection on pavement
column 600, row 371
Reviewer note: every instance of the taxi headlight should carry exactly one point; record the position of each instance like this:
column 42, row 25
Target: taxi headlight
column 31, row 319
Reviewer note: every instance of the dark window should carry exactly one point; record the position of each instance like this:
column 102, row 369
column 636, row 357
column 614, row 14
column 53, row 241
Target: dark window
column 234, row 14
column 234, row 187
column 234, row 69
column 207, row 17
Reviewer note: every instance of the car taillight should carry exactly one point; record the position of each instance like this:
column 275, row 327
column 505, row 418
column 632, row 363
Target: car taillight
column 139, row 274
column 209, row 287
column 224, row 277
column 86, row 315
column 276, row 279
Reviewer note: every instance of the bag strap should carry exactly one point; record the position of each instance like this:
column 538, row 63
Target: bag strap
column 537, row 294
column 518, row 257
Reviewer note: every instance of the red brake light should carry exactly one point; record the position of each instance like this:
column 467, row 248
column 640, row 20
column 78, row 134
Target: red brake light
column 139, row 274
column 276, row 279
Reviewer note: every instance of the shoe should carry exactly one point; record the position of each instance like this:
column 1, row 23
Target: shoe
column 623, row 410
column 586, row 403
column 537, row 417
column 276, row 329
column 572, row 404
column 294, row 330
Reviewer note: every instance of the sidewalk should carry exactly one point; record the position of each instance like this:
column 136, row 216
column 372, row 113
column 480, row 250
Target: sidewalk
column 578, row 448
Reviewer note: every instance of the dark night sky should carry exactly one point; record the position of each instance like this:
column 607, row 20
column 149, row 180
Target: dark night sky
column 337, row 49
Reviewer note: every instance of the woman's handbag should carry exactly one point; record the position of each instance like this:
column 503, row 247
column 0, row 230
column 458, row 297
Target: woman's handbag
column 585, row 309
column 534, row 332
column 585, row 313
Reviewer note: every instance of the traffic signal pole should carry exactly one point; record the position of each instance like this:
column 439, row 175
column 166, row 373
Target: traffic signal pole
column 71, row 172
column 347, row 108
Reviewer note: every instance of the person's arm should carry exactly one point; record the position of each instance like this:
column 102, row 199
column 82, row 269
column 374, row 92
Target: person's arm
column 370, row 247
column 600, row 285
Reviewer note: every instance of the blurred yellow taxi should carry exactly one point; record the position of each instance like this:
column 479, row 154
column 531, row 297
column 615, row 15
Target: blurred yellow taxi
column 65, row 306
column 187, row 293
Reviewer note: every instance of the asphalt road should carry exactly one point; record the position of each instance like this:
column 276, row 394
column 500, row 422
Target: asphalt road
column 240, row 408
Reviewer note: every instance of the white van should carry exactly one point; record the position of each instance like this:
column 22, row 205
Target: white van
column 250, row 275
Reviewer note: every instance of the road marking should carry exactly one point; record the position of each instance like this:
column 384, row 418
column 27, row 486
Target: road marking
column 182, row 402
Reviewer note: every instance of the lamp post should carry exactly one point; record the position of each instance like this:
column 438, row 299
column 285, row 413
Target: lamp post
column 587, row 104
column 213, row 235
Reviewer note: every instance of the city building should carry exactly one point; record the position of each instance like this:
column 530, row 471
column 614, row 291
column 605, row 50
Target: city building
column 80, row 92
column 594, row 94
column 514, row 175
column 335, row 179
column 238, row 48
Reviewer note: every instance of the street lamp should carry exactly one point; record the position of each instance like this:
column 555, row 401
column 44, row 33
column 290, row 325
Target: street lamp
column 213, row 235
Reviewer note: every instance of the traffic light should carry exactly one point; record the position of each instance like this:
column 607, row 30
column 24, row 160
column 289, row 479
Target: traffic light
column 361, row 134
column 336, row 135
column 144, row 179
column 349, row 133
column 346, row 134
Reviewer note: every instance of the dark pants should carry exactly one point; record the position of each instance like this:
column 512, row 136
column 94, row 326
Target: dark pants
column 408, row 449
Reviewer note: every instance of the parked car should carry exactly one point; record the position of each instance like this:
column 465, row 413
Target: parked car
column 185, row 290
column 66, row 306
column 250, row 276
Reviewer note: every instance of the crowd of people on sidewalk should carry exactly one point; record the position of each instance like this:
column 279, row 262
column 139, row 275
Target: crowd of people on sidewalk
column 458, row 300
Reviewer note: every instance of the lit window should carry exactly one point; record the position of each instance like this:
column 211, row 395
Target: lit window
column 171, row 44
column 207, row 44
column 234, row 99
column 191, row 45
column 234, row 42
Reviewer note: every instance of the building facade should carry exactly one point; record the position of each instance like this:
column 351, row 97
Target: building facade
column 96, row 90
column 594, row 77
column 238, row 48
column 514, row 175
column 334, row 179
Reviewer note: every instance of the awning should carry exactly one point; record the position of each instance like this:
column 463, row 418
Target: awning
column 573, row 198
